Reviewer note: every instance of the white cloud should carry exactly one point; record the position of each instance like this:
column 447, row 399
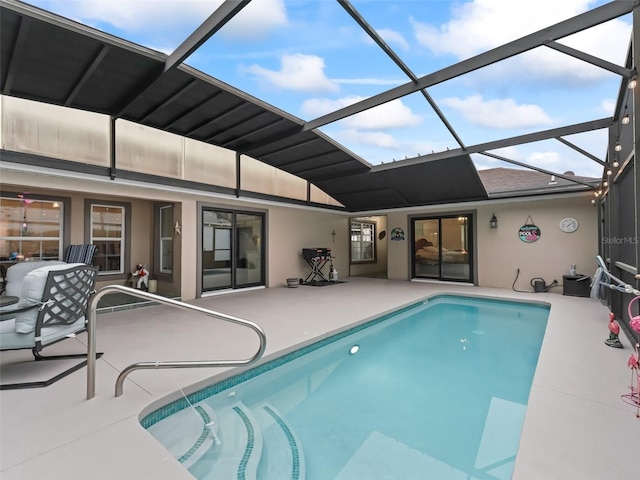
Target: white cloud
column 559, row 163
column 369, row 81
column 157, row 16
column 133, row 15
column 484, row 24
column 257, row 20
column 547, row 160
column 315, row 107
column 481, row 25
column 394, row 114
column 534, row 155
column 608, row 106
column 298, row 72
column 393, row 38
column 503, row 114
column 377, row 139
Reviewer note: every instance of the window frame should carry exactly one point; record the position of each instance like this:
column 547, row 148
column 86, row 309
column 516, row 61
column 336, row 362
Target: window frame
column 125, row 245
column 374, row 245
column 63, row 223
column 161, row 239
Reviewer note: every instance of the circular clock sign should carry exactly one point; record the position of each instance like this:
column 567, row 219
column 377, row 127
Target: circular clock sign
column 568, row 225
column 529, row 233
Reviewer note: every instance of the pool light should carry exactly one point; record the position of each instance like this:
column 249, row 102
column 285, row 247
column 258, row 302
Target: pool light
column 353, row 350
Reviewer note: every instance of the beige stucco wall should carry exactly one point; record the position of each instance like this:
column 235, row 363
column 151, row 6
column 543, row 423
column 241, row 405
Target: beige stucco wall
column 500, row 252
column 291, row 229
column 398, row 250
column 188, row 241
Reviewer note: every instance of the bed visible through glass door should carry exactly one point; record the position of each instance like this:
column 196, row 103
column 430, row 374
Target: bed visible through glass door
column 442, row 248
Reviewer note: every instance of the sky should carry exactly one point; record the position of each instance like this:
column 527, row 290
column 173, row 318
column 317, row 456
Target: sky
column 309, row 57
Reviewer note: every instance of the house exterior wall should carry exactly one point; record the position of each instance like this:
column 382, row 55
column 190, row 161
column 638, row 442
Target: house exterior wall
column 398, row 266
column 502, row 252
column 289, row 228
column 188, row 240
column 499, row 252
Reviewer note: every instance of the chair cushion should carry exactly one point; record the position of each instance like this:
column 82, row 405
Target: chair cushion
column 32, row 291
column 15, row 274
column 10, row 340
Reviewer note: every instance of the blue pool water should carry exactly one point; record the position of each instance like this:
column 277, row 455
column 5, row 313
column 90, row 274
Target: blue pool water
column 437, row 390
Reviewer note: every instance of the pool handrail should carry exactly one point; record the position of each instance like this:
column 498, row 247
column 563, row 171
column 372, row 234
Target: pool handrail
column 91, row 343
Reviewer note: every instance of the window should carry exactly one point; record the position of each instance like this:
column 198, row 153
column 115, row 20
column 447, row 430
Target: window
column 108, row 234
column 363, row 248
column 166, row 239
column 31, row 229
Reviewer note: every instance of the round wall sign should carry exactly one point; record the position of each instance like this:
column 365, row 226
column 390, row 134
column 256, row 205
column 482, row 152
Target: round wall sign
column 529, row 233
column 568, row 225
column 397, row 234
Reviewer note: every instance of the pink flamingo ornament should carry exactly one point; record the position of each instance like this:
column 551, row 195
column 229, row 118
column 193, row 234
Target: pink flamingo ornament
column 633, row 359
column 633, row 397
column 614, row 331
column 634, row 320
column 26, row 202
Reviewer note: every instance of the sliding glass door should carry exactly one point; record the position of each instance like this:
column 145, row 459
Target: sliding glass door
column 232, row 249
column 442, row 248
column 248, row 228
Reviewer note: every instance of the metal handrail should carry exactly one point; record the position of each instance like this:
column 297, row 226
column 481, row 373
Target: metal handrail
column 91, row 344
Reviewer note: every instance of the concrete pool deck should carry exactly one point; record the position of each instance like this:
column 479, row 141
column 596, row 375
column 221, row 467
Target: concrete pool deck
column 576, row 424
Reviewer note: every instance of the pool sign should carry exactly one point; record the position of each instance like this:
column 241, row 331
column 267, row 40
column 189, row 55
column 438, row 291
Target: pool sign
column 529, row 233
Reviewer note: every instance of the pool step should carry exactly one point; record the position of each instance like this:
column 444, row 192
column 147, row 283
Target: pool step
column 282, row 456
column 233, row 443
column 186, row 434
column 238, row 454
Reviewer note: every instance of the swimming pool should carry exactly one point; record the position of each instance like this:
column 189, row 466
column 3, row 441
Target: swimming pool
column 436, row 390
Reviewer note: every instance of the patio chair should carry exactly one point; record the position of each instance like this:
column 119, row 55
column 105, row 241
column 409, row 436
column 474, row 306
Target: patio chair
column 80, row 253
column 51, row 305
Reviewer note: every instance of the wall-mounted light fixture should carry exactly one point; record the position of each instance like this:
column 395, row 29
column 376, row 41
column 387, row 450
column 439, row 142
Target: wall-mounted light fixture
column 493, row 223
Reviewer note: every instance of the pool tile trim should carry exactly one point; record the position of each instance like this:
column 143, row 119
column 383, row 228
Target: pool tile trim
column 201, row 439
column 244, row 462
column 295, row 452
